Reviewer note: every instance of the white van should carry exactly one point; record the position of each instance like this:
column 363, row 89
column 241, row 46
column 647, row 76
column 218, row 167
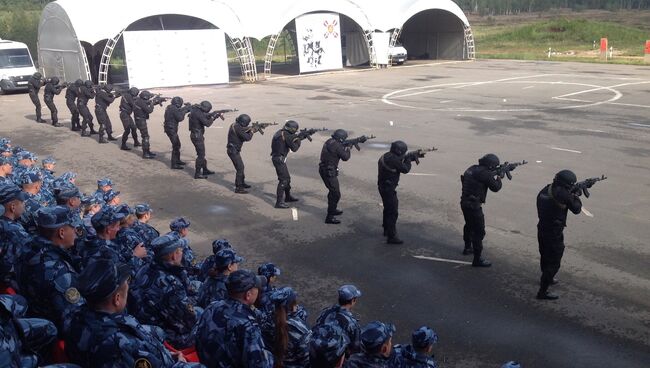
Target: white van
column 16, row 66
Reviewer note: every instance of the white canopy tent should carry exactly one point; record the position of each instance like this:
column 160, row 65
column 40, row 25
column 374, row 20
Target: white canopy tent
column 65, row 24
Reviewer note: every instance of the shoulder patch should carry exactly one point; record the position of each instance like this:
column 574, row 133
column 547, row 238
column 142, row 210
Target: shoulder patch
column 72, row 295
column 142, row 363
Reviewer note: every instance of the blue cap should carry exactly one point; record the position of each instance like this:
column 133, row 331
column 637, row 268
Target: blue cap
column 328, row 342
column 100, row 278
column 88, row 200
column 49, row 160
column 124, row 210
column 166, row 244
column 5, row 160
column 226, row 257
column 10, row 192
column 349, row 292
column 29, row 176
column 268, row 270
column 220, row 244
column 142, row 208
column 375, row 334
column 57, row 216
column 67, row 191
column 17, row 149
column 106, row 216
column 129, row 238
column 423, row 337
column 104, row 182
column 178, row 224
column 5, row 141
column 284, row 296
column 68, row 175
column 244, row 280
column 26, row 155
column 511, row 364
column 5, row 148
column 109, row 195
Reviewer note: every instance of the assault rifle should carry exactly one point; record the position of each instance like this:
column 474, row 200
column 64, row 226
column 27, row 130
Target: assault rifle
column 307, row 133
column 583, row 186
column 219, row 113
column 159, row 99
column 354, row 142
column 259, row 127
column 504, row 169
column 418, row 154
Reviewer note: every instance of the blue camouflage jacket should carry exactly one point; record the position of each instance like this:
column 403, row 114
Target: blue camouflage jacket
column 346, row 321
column 28, row 219
column 146, row 232
column 213, row 289
column 363, row 360
column 14, row 247
column 228, row 336
column 297, row 355
column 405, row 356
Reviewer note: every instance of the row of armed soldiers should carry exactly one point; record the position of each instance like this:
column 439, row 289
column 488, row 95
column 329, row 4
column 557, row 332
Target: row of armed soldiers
column 553, row 201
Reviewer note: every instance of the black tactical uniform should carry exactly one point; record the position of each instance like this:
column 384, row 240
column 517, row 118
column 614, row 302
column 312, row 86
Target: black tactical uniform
column 142, row 107
column 86, row 93
column 103, row 100
column 391, row 164
column 126, row 109
column 34, row 85
column 283, row 141
column 174, row 114
column 239, row 133
column 333, row 151
column 475, row 182
column 198, row 121
column 52, row 88
column 71, row 95
column 553, row 203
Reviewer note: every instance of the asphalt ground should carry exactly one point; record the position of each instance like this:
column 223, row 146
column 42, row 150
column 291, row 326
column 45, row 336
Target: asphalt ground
column 592, row 119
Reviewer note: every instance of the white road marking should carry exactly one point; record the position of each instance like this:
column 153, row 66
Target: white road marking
column 419, row 93
column 584, row 210
column 529, row 87
column 442, row 260
column 421, row 174
column 571, row 99
column 486, row 118
column 538, row 161
column 446, row 101
column 563, row 149
column 630, row 105
column 119, row 136
column 640, row 125
column 596, row 130
column 390, row 123
column 294, row 213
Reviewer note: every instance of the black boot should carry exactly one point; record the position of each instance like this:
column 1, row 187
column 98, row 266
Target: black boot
column 56, row 124
column 480, row 262
column 85, row 133
column 288, row 197
column 280, row 204
column 394, row 240
column 241, row 190
column 111, row 138
column 337, row 213
column 332, row 220
column 543, row 294
column 102, row 139
column 198, row 173
column 244, row 185
column 147, row 155
column 93, row 131
column 179, row 162
column 136, row 143
column 468, row 250
column 207, row 172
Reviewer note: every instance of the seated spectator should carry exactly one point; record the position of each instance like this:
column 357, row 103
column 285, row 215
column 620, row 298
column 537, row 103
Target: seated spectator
column 376, row 340
column 420, row 353
column 214, row 287
column 327, row 347
column 341, row 315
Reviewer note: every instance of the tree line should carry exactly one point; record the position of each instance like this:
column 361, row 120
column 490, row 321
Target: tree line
column 501, row 7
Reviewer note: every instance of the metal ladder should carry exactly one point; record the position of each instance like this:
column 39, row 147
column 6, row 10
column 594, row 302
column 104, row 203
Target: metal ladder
column 372, row 55
column 393, row 40
column 470, row 48
column 246, row 58
column 83, row 54
column 270, row 50
column 106, row 58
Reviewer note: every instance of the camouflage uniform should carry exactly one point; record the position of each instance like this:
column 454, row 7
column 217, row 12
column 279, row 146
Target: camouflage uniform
column 146, row 232
column 20, row 337
column 48, row 281
column 374, row 335
column 344, row 319
column 228, row 336
column 97, row 339
column 209, row 262
column 213, row 289
column 161, row 295
column 28, row 219
column 363, row 360
column 14, row 246
column 96, row 248
column 405, row 356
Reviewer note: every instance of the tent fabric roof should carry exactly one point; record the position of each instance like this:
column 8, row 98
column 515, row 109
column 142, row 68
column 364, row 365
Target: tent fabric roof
column 95, row 20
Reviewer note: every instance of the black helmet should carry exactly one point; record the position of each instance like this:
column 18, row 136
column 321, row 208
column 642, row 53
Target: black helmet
column 37, row 75
column 177, row 101
column 88, row 84
column 145, row 95
column 134, row 91
column 399, row 148
column 78, row 82
column 490, row 161
column 565, row 178
column 243, row 120
column 108, row 88
column 54, row 80
column 206, row 106
column 291, row 126
column 340, row 135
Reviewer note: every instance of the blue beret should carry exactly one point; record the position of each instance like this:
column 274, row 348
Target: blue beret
column 349, row 292
column 26, row 155
column 166, row 244
column 4, row 160
column 328, row 342
column 284, row 296
column 511, row 364
column 66, row 192
column 178, row 224
column 142, row 208
column 109, row 195
column 244, row 280
column 226, row 257
column 375, row 334
column 10, row 192
column 106, row 216
column 220, row 244
column 29, row 176
column 423, row 337
column 49, row 160
column 104, row 182
column 268, row 270
column 57, row 216
column 101, row 277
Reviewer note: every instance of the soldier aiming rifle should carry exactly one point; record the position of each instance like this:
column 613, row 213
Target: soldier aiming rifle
column 418, row 154
column 505, row 169
column 354, row 142
column 307, row 133
column 258, row 127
